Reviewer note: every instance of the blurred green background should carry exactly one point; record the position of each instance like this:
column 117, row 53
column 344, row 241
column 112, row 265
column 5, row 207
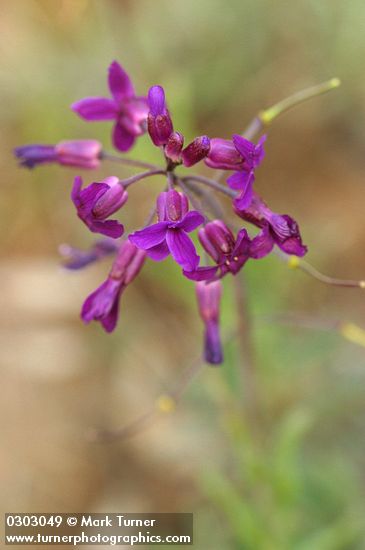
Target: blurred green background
column 288, row 478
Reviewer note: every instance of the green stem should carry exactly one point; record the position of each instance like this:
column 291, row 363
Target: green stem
column 268, row 115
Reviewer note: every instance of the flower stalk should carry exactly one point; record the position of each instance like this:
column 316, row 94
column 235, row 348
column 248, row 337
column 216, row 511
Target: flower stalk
column 298, row 263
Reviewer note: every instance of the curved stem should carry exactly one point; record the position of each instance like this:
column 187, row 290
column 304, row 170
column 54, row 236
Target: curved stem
column 129, row 162
column 268, row 115
column 170, row 179
column 211, row 183
column 265, row 117
column 298, row 263
column 133, row 179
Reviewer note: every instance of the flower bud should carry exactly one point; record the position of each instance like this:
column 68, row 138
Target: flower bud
column 174, row 146
column 159, row 121
column 196, row 151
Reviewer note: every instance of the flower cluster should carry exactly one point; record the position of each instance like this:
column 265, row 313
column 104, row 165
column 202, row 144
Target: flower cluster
column 226, row 245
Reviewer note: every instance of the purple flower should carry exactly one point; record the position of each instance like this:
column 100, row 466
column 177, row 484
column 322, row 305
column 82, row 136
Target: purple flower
column 279, row 229
column 75, row 258
column 83, row 153
column 103, row 304
column 238, row 154
column 97, row 202
column 209, row 296
column 127, row 110
column 242, row 156
column 169, row 235
column 229, row 254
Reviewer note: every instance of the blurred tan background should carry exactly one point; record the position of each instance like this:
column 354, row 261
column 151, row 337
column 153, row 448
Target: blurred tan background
column 301, row 485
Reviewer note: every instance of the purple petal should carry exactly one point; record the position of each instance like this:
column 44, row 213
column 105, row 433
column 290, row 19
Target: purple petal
column 252, row 154
column 238, row 180
column 95, row 305
column 109, row 322
column 120, row 84
column 244, row 146
column 85, row 199
column 110, row 228
column 96, row 108
column 182, row 249
column 293, row 247
column 285, row 231
column 259, row 149
column 75, row 258
column 202, row 273
column 191, row 221
column 123, row 140
column 149, row 236
column 76, row 188
column 242, row 243
column 159, row 252
column 244, row 200
column 262, row 244
column 31, row 155
column 103, row 305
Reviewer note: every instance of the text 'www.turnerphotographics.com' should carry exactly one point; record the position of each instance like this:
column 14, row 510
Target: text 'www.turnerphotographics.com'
column 98, row 529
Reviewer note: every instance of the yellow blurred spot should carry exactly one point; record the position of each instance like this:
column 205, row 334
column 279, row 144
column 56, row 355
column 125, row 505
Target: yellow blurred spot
column 165, row 404
column 266, row 116
column 353, row 333
column 335, row 82
column 293, row 262
column 362, row 284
